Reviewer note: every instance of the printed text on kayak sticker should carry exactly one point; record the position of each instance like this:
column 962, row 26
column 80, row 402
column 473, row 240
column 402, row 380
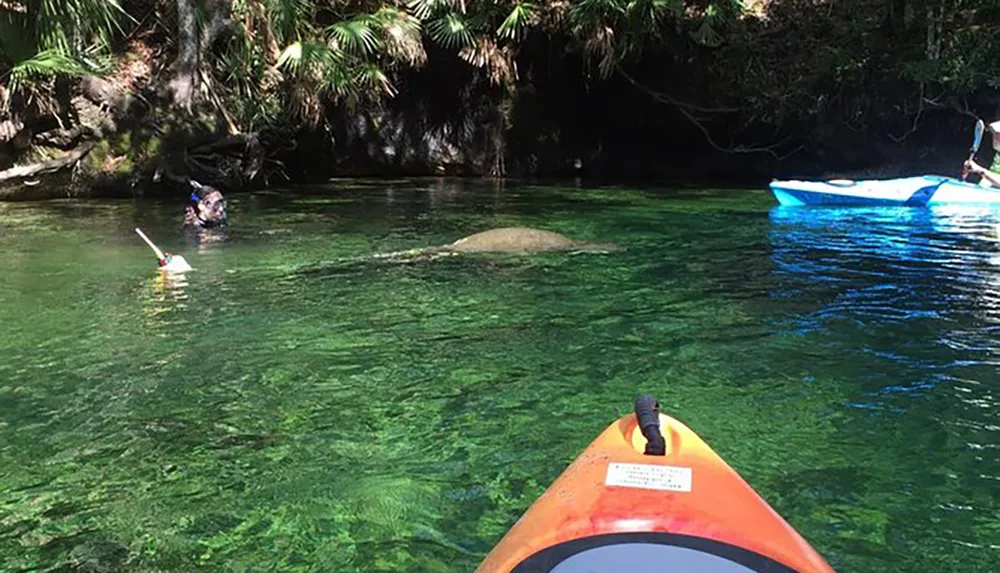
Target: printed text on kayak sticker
column 648, row 476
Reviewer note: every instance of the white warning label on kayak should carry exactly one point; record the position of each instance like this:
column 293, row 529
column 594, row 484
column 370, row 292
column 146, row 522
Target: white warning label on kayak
column 649, row 476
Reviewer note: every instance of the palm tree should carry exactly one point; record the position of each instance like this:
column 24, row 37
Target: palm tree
column 488, row 35
column 291, row 57
column 42, row 39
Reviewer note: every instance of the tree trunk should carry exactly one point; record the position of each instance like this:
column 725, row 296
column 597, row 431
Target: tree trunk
column 896, row 19
column 262, row 26
column 185, row 67
column 217, row 20
column 935, row 20
column 193, row 45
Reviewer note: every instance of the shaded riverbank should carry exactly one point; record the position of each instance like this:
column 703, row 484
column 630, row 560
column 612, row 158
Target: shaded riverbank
column 138, row 99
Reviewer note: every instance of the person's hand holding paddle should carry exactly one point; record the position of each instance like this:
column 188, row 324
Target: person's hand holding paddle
column 971, row 166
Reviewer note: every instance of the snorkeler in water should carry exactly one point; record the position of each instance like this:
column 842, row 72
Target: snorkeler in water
column 206, row 208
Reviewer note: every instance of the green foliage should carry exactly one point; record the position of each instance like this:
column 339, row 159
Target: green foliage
column 280, row 60
column 46, row 38
column 615, row 31
column 778, row 63
column 522, row 14
column 871, row 64
column 488, row 34
column 483, row 34
column 46, row 64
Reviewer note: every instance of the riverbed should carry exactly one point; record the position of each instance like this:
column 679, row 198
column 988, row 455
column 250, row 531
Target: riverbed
column 295, row 404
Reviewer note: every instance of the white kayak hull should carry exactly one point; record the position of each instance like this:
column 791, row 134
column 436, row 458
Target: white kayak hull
column 916, row 191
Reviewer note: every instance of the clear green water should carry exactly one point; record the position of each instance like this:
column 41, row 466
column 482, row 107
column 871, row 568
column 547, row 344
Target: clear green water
column 291, row 407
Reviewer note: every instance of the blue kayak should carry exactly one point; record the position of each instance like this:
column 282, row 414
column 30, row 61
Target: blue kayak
column 903, row 191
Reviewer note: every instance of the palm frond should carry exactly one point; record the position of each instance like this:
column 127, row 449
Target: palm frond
column 426, row 9
column 47, row 64
column 654, row 10
column 601, row 44
column 592, row 14
column 289, row 19
column 244, row 66
column 674, row 8
column 336, row 77
column 498, row 62
column 17, row 43
column 402, row 35
column 644, row 17
column 308, row 58
column 72, row 25
column 314, row 69
column 47, row 38
column 594, row 23
column 450, row 30
column 422, row 9
column 522, row 16
column 706, row 35
column 304, row 104
column 356, row 35
column 391, row 15
column 369, row 77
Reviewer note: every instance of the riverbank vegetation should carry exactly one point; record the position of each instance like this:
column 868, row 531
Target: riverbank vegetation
column 127, row 96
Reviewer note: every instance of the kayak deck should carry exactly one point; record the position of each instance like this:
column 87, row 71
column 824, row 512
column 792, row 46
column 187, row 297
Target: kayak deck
column 616, row 509
column 904, row 191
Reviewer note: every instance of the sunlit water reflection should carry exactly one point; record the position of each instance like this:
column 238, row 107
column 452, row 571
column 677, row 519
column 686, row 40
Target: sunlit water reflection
column 294, row 405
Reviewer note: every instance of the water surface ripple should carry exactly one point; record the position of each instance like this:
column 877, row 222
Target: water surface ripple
column 293, row 405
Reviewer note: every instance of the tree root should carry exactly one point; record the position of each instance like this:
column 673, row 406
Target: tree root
column 45, row 167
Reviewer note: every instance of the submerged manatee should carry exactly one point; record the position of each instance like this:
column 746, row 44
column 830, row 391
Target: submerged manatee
column 523, row 240
column 505, row 240
column 509, row 240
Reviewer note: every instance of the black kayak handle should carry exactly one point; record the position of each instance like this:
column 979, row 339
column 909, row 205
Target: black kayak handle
column 647, row 411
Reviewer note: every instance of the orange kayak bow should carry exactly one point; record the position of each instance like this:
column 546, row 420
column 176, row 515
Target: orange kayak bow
column 649, row 495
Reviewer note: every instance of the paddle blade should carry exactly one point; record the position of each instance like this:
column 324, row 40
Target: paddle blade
column 977, row 136
column 177, row 264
